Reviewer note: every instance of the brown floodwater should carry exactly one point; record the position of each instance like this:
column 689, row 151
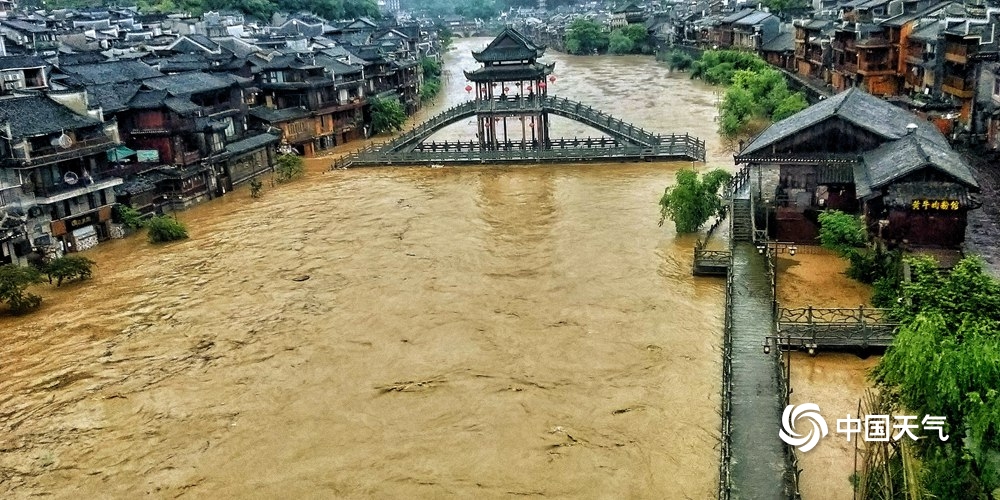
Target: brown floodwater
column 488, row 332
column 834, row 381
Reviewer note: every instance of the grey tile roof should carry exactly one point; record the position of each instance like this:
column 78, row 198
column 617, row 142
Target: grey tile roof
column 181, row 105
column 188, row 83
column 21, row 62
column 853, row 106
column 113, row 97
column 781, row 43
column 736, row 16
column 251, row 143
column 509, row 45
column 37, row 115
column 148, row 99
column 111, row 72
column 26, row 27
column 752, row 19
column 278, row 115
column 896, row 159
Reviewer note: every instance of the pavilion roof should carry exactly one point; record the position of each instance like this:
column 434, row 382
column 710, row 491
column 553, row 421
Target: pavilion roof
column 509, row 45
column 510, row 73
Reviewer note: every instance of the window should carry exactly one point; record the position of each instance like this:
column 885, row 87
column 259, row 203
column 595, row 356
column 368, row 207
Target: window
column 215, row 142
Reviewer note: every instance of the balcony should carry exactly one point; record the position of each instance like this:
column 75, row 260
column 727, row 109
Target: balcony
column 52, row 154
column 167, row 127
column 46, row 195
column 187, row 157
column 218, row 109
column 879, row 68
column 958, row 87
column 847, row 68
column 956, row 53
column 874, row 42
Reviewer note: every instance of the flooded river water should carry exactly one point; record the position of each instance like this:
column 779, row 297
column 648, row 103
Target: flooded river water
column 463, row 332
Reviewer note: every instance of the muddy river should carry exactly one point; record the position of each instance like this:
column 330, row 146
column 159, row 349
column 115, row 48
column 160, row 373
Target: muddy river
column 488, row 332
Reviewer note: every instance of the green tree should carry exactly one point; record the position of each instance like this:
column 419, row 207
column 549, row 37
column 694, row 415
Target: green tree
column 289, row 167
column 431, row 67
column 620, row 43
column 584, row 36
column 692, row 201
column 945, row 361
column 164, row 228
column 129, row 217
column 69, row 267
column 679, row 61
column 14, row 281
column 387, row 115
column 841, row 232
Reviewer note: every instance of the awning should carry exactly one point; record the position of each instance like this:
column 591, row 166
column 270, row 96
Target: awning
column 119, row 153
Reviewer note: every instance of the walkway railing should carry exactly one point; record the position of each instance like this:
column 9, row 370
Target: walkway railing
column 726, row 441
column 834, row 328
column 615, row 127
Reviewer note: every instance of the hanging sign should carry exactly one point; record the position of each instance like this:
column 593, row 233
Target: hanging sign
column 934, row 205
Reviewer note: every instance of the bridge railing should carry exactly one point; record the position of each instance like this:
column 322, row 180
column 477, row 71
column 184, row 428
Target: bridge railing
column 725, row 480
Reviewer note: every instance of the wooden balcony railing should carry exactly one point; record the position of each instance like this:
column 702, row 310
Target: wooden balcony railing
column 187, row 158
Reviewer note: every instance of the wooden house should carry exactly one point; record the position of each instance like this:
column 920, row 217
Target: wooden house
column 859, row 154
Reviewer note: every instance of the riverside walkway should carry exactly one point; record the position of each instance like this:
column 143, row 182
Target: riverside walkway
column 757, row 467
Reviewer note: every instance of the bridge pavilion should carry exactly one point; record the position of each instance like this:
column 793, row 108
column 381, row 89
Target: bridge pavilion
column 511, row 73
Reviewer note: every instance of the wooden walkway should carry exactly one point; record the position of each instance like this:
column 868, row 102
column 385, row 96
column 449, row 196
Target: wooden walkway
column 834, row 329
column 757, row 462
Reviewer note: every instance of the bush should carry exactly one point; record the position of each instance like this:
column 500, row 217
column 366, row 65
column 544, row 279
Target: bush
column 289, row 167
column 129, row 216
column 164, row 228
column 68, row 268
column 691, row 201
column 679, row 61
column 256, row 187
column 14, row 281
column 841, row 232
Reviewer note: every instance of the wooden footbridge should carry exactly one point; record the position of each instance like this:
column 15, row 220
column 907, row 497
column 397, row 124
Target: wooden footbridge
column 624, row 141
column 511, row 105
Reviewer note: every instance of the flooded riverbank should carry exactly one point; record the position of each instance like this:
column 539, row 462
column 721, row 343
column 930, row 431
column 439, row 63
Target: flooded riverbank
column 834, row 381
column 462, row 332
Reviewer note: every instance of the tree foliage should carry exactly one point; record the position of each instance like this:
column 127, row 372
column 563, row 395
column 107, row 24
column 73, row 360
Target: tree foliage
column 679, row 61
column 584, row 36
column 288, row 167
column 387, row 115
column 256, row 188
column 69, row 267
column 129, row 217
column 164, row 228
column 693, row 200
column 760, row 94
column 14, row 281
column 945, row 361
column 264, row 9
column 841, row 232
column 631, row 39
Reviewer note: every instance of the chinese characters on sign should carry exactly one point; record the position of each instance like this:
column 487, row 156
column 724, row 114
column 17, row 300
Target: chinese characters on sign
column 934, row 205
column 875, row 428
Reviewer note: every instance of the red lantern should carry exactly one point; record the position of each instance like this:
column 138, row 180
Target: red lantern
column 552, row 79
column 468, row 88
column 528, row 88
column 506, row 89
column 541, row 85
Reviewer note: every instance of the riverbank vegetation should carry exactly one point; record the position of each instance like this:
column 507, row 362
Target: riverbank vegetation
column 693, row 200
column 289, row 167
column 584, row 36
column 69, row 267
column 944, row 362
column 676, row 60
column 388, row 115
column 164, row 228
column 432, row 78
column 631, row 39
column 757, row 95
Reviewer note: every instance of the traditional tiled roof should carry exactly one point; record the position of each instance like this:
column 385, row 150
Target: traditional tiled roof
column 510, row 73
column 896, row 159
column 853, row 106
column 21, row 62
column 736, row 16
column 781, row 43
column 509, row 45
column 113, row 97
column 111, row 72
column 188, row 83
column 37, row 115
column 26, row 27
column 251, row 143
column 148, row 99
column 278, row 115
column 181, row 105
column 753, row 19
